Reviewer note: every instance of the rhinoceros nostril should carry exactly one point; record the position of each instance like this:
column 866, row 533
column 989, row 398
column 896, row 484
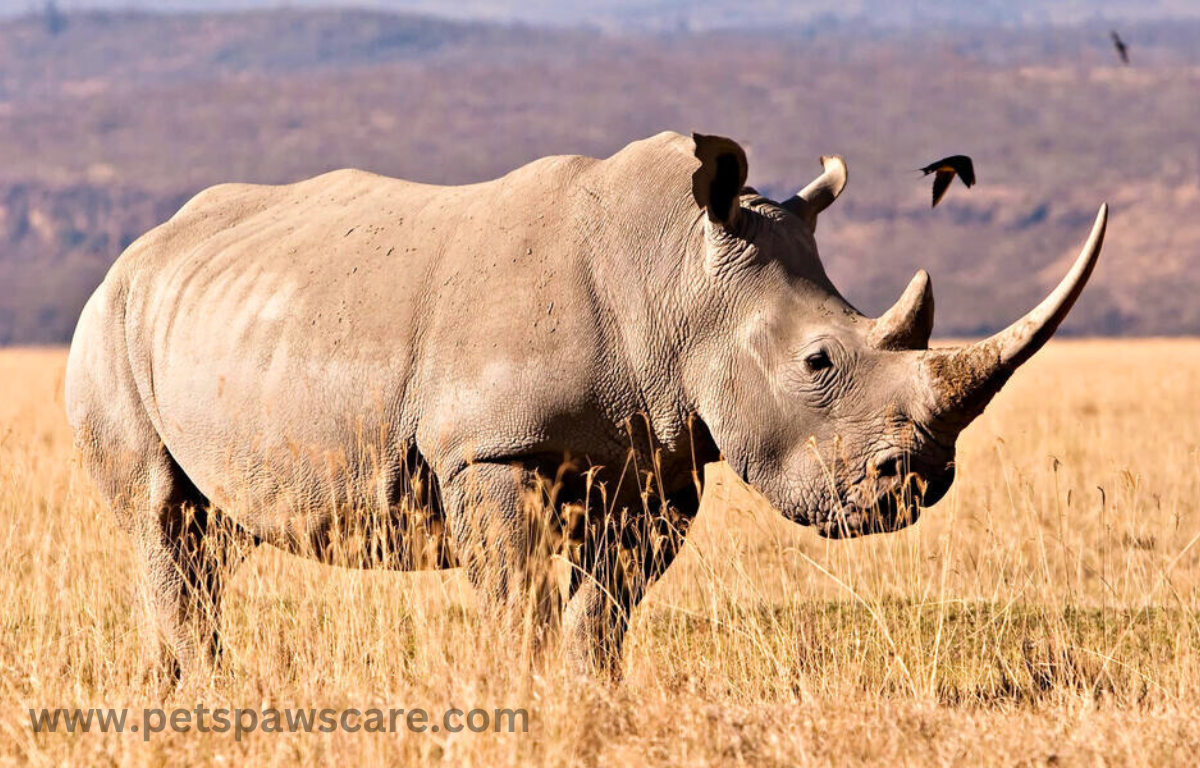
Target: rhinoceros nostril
column 889, row 465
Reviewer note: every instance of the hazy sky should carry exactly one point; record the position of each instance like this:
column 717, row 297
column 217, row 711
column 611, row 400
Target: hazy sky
column 695, row 14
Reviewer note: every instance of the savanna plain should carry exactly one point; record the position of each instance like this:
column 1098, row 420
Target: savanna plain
column 1047, row 611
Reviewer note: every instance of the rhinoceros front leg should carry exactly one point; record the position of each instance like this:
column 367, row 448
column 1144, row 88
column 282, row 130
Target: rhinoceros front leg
column 616, row 564
column 503, row 538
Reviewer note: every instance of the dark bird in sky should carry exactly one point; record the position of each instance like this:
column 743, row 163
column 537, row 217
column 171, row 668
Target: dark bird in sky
column 1119, row 44
column 946, row 169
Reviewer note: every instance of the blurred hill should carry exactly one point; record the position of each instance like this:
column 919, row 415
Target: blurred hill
column 110, row 120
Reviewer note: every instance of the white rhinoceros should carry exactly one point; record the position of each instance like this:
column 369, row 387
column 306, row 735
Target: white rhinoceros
column 377, row 372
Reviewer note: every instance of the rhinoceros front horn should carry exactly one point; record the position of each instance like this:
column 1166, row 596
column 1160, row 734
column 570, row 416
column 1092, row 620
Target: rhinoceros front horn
column 965, row 379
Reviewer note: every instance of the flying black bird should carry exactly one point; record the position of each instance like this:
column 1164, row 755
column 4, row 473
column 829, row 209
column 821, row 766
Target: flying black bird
column 1122, row 49
column 946, row 169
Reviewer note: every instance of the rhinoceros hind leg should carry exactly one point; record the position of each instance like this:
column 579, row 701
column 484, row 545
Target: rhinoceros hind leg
column 186, row 550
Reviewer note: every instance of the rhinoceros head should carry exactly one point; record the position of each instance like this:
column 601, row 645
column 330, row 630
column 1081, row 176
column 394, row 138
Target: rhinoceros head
column 843, row 422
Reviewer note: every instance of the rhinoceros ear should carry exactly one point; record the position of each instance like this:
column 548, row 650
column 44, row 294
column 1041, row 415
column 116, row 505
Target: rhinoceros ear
column 717, row 183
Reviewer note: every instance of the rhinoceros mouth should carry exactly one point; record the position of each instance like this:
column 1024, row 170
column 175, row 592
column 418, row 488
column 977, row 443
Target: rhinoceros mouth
column 888, row 513
column 887, row 508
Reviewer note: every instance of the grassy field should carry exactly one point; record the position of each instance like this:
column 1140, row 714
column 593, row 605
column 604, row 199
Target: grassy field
column 1045, row 612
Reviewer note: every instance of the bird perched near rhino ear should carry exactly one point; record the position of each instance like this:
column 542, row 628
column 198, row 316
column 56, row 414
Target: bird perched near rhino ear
column 946, row 169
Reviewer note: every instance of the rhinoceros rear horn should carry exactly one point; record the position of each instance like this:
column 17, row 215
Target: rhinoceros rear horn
column 909, row 323
column 965, row 379
column 823, row 190
column 717, row 184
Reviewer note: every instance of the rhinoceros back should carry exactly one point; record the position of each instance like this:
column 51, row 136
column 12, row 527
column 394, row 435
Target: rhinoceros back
column 285, row 342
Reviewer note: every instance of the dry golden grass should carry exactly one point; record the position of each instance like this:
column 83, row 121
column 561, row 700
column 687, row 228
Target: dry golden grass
column 1044, row 612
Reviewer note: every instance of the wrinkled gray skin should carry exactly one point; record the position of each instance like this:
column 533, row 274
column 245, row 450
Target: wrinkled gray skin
column 358, row 356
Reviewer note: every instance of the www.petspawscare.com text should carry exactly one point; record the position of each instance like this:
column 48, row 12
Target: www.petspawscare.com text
column 245, row 720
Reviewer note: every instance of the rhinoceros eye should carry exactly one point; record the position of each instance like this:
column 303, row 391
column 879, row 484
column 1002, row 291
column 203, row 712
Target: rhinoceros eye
column 817, row 361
